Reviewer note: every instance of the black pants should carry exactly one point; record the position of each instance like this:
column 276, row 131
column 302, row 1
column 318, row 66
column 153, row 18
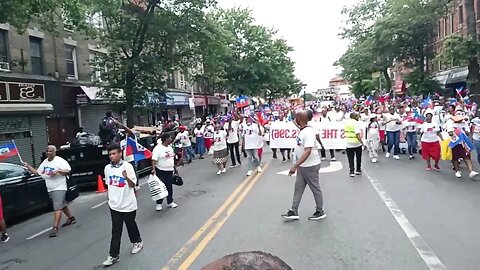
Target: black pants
column 118, row 218
column 234, row 147
column 324, row 154
column 353, row 153
column 167, row 178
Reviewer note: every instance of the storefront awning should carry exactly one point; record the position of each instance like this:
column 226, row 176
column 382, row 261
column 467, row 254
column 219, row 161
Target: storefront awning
column 458, row 75
column 95, row 93
column 28, row 107
column 177, row 99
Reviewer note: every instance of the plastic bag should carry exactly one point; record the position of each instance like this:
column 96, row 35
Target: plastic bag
column 158, row 190
column 446, row 150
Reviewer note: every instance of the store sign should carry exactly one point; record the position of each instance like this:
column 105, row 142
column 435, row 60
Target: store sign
column 175, row 99
column 200, row 101
column 3, row 91
column 213, row 100
column 22, row 92
column 82, row 99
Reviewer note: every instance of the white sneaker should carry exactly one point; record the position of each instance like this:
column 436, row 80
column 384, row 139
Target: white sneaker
column 137, row 247
column 110, row 261
column 387, row 155
column 249, row 173
column 458, row 174
column 158, row 207
column 333, row 159
column 172, row 205
column 396, row 157
column 323, row 158
column 259, row 169
column 374, row 160
column 473, row 174
column 224, row 170
column 219, row 172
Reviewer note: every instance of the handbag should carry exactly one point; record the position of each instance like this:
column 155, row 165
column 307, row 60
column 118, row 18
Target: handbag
column 177, row 180
column 158, row 190
column 72, row 190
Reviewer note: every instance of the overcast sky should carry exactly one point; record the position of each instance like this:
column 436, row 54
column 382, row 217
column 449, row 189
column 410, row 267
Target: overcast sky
column 310, row 27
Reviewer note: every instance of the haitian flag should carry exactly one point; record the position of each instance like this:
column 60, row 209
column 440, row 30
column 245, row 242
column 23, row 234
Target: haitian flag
column 427, row 103
column 135, row 151
column 461, row 138
column 369, row 101
column 8, row 150
column 242, row 101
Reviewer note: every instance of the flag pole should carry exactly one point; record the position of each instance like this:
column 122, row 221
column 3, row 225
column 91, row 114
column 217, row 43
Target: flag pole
column 18, row 152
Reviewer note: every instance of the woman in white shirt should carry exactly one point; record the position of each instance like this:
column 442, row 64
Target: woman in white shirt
column 393, row 125
column 251, row 144
column 220, row 151
column 430, row 142
column 411, row 129
column 208, row 135
column 373, row 137
column 163, row 165
column 199, row 140
column 232, row 127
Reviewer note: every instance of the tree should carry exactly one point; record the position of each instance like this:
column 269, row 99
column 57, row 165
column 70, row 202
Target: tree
column 473, row 67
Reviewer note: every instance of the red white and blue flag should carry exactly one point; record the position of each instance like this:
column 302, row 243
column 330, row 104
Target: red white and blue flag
column 369, row 101
column 135, row 151
column 8, row 150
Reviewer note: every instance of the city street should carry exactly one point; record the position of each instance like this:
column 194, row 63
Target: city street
column 395, row 216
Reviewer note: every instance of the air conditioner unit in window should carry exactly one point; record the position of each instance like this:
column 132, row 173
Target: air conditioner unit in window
column 4, row 66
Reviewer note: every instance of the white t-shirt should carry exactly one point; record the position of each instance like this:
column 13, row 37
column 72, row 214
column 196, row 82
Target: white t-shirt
column 233, row 132
column 54, row 182
column 336, row 116
column 121, row 197
column 316, row 127
column 251, row 134
column 430, row 131
column 183, row 138
column 393, row 126
column 208, row 134
column 411, row 126
column 219, row 140
column 306, row 138
column 373, row 131
column 164, row 156
column 199, row 132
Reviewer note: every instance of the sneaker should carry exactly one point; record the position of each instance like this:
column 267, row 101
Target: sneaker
column 352, row 175
column 219, row 172
column 111, row 261
column 137, row 247
column 275, row 156
column 387, row 155
column 429, row 168
column 4, row 238
column 374, row 160
column 358, row 172
column 249, row 173
column 411, row 157
column 396, row 157
column 473, row 174
column 158, row 207
column 324, row 158
column 70, row 221
column 318, row 215
column 458, row 174
column 233, row 165
column 284, row 160
column 201, row 158
column 436, row 167
column 54, row 232
column 224, row 170
column 291, row 215
column 172, row 205
column 259, row 169
column 333, row 159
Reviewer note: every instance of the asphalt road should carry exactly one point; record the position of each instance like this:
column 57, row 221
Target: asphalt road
column 395, row 216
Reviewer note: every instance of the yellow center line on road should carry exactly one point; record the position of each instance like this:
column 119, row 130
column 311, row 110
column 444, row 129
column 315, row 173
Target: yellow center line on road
column 198, row 234
column 203, row 244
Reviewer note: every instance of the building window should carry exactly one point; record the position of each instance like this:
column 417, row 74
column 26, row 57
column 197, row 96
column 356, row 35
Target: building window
column 439, row 30
column 97, row 68
column 71, row 60
column 460, row 16
column 478, row 10
column 95, row 20
column 3, row 46
column 445, row 25
column 36, row 55
column 452, row 24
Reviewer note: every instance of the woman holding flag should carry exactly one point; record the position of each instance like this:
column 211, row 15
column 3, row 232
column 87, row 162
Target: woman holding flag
column 461, row 149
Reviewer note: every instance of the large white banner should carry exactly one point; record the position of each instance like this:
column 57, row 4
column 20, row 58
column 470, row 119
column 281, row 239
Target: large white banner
column 332, row 134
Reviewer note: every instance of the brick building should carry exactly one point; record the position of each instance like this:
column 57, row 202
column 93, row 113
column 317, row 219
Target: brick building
column 452, row 75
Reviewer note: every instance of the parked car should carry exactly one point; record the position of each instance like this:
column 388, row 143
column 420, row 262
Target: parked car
column 22, row 193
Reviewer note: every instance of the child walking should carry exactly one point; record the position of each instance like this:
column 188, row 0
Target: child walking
column 373, row 138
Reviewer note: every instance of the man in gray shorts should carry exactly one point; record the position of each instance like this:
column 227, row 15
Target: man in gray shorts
column 54, row 171
column 307, row 168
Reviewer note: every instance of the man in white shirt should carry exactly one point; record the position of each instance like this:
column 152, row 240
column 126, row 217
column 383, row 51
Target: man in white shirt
column 393, row 122
column 121, row 180
column 231, row 127
column 252, row 136
column 307, row 168
column 184, row 137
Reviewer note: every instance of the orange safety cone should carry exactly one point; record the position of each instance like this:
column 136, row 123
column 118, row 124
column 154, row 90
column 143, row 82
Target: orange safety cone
column 100, row 186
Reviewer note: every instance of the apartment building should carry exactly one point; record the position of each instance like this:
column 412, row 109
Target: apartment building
column 452, row 75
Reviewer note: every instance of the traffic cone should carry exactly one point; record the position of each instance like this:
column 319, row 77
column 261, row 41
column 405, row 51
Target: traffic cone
column 100, row 186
